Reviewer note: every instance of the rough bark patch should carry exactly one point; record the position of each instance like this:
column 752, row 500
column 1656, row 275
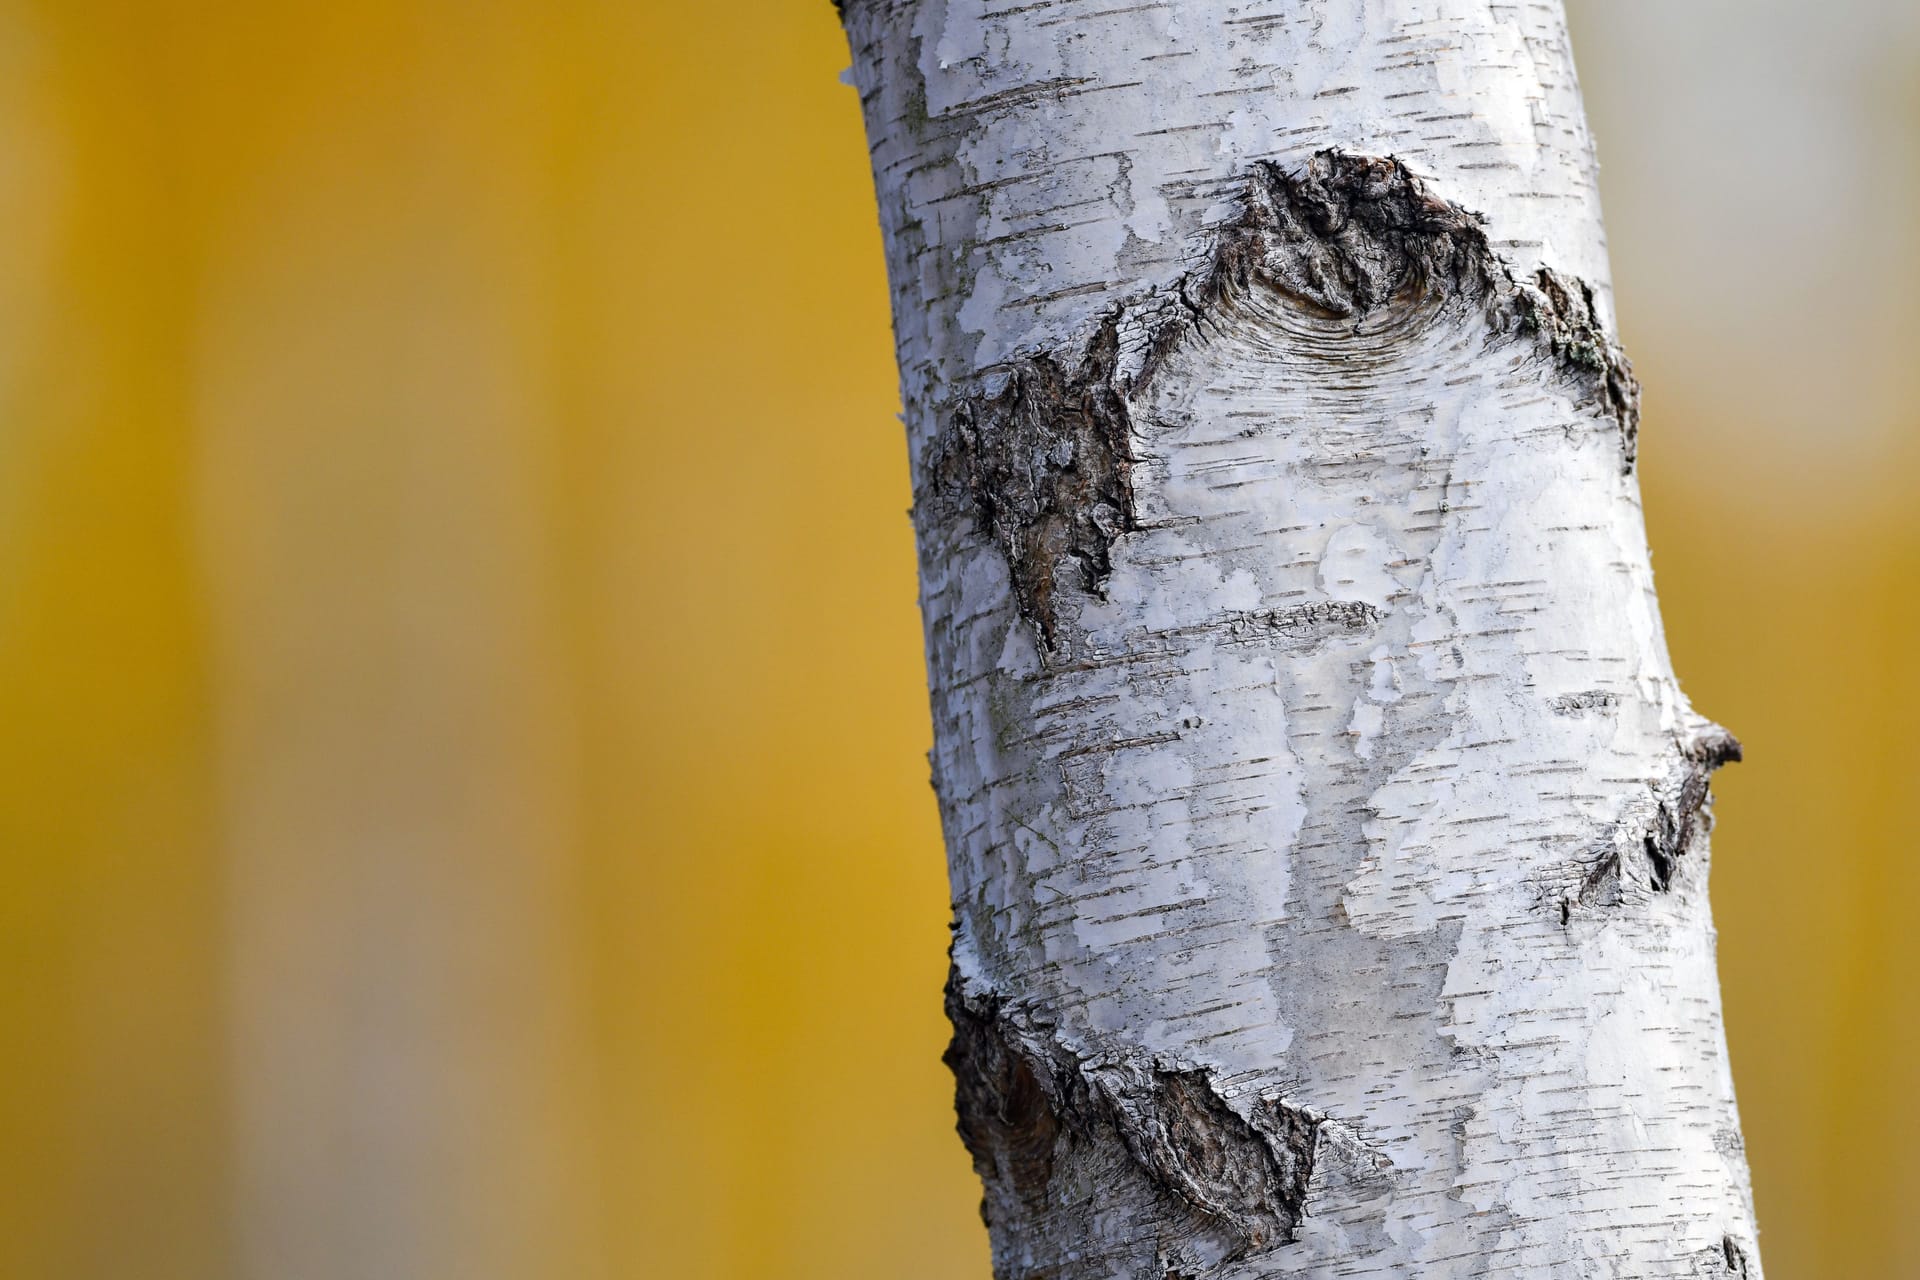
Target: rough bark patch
column 1045, row 460
column 1560, row 311
column 1303, row 621
column 1573, row 704
column 1060, row 1140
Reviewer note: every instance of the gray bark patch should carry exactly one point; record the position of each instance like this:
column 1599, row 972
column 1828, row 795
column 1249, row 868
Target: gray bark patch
column 1142, row 1164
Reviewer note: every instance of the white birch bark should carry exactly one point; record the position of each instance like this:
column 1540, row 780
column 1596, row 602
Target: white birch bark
column 1327, row 828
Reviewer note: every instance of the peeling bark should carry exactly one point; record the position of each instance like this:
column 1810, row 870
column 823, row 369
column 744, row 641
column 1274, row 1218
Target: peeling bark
column 1327, row 830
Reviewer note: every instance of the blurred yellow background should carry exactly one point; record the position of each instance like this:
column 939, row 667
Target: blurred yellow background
column 463, row 809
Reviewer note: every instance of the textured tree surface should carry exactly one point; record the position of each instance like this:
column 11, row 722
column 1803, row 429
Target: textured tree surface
column 1328, row 832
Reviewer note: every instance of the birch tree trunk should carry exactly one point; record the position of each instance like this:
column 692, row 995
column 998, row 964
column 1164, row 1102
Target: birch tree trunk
column 1327, row 828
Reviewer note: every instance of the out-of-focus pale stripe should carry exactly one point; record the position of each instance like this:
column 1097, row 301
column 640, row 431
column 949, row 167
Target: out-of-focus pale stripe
column 394, row 741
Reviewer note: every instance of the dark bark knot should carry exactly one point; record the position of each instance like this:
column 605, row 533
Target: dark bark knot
column 1058, row 1138
column 1347, row 235
column 1045, row 460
